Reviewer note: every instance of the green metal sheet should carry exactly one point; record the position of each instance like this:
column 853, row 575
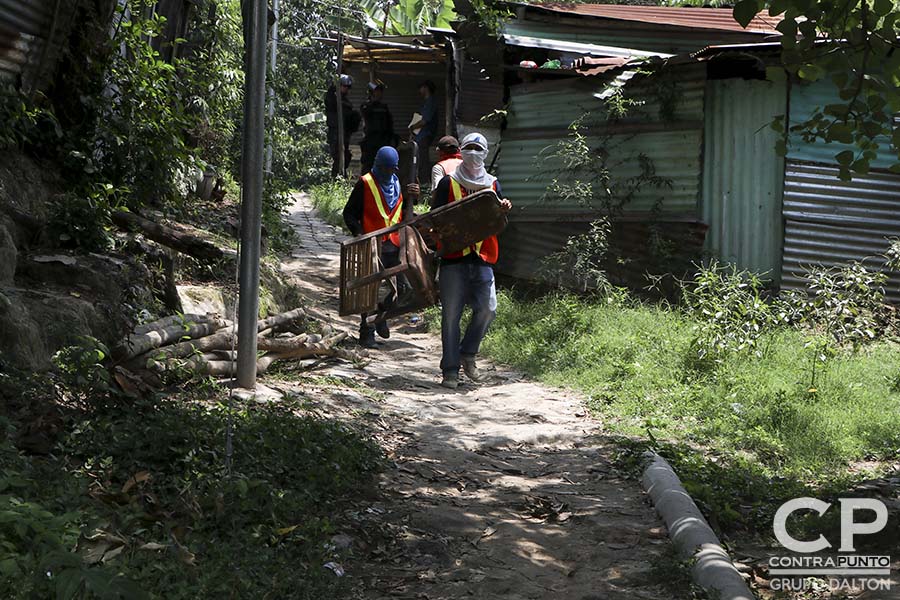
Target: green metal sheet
column 539, row 117
column 743, row 177
column 805, row 100
column 648, row 37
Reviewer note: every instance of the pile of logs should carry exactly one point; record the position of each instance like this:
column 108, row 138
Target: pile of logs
column 207, row 344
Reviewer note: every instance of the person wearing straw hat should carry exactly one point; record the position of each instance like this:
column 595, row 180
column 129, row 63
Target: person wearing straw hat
column 467, row 277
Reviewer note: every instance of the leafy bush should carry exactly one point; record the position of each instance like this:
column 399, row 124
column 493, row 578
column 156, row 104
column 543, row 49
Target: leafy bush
column 138, row 502
column 329, row 199
column 581, row 259
column 729, row 308
column 82, row 369
column 846, row 304
column 83, row 219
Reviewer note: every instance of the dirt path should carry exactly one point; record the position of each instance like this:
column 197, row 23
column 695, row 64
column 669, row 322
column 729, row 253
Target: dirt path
column 500, row 490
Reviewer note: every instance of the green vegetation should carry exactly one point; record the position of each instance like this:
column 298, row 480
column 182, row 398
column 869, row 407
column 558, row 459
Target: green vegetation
column 852, row 46
column 751, row 400
column 133, row 498
column 330, row 198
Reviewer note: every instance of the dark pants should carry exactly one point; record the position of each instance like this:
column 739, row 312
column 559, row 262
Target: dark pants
column 390, row 257
column 334, row 149
column 424, row 161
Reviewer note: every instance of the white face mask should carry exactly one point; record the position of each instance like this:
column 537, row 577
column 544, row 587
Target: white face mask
column 474, row 159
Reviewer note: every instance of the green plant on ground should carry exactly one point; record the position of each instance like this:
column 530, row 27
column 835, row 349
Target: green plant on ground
column 581, row 261
column 628, row 358
column 729, row 308
column 137, row 501
column 329, row 199
column 844, row 306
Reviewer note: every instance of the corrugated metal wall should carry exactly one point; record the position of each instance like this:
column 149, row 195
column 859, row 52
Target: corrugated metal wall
column 31, row 32
column 743, row 177
column 831, row 222
column 805, row 99
column 653, row 38
column 539, row 117
column 479, row 93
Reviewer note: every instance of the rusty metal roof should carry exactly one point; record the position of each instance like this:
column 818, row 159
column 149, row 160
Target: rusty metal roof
column 590, row 65
column 720, row 19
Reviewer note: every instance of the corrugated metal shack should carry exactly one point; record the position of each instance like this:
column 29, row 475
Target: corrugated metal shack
column 661, row 226
column 762, row 212
column 466, row 92
column 32, row 33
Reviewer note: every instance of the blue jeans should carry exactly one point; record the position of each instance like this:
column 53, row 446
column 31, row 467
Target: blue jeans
column 465, row 283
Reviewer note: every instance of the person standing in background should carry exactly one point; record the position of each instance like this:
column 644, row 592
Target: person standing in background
column 351, row 124
column 378, row 125
column 425, row 128
column 448, row 159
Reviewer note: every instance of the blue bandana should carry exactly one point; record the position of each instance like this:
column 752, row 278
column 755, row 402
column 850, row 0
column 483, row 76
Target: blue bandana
column 386, row 161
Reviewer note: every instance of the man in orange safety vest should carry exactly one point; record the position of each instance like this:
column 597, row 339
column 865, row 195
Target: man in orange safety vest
column 375, row 203
column 467, row 277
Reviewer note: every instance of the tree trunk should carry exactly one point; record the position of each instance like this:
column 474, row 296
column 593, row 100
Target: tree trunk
column 185, row 243
column 137, row 344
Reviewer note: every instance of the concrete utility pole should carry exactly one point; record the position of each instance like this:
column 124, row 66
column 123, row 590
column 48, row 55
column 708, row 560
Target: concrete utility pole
column 273, row 55
column 340, row 103
column 255, row 24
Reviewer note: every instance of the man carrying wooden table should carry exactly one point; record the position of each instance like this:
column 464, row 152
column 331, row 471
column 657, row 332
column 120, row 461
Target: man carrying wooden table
column 467, row 277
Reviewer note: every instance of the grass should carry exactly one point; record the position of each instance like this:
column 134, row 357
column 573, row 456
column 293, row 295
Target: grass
column 134, row 499
column 757, row 415
column 329, row 199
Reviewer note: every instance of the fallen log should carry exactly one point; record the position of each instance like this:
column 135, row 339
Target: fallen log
column 164, row 322
column 211, row 363
column 281, row 320
column 136, row 344
column 279, row 345
column 221, row 338
column 186, row 243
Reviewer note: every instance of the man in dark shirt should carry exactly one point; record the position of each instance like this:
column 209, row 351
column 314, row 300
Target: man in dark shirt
column 378, row 126
column 375, row 203
column 351, row 124
column 467, row 277
column 427, row 128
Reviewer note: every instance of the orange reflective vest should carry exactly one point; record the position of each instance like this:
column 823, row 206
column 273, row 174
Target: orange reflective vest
column 376, row 214
column 488, row 249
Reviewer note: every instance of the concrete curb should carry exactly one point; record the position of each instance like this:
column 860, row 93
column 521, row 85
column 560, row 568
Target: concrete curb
column 691, row 534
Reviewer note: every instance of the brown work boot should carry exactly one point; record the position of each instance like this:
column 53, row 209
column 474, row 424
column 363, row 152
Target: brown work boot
column 450, row 381
column 469, row 368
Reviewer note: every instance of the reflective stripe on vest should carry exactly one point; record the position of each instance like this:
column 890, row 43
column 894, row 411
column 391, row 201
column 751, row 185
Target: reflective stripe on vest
column 389, row 218
column 488, row 254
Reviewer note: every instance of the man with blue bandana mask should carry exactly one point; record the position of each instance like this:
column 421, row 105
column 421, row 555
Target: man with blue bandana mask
column 376, row 202
column 467, row 277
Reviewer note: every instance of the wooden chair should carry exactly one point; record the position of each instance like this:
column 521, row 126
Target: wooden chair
column 439, row 232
